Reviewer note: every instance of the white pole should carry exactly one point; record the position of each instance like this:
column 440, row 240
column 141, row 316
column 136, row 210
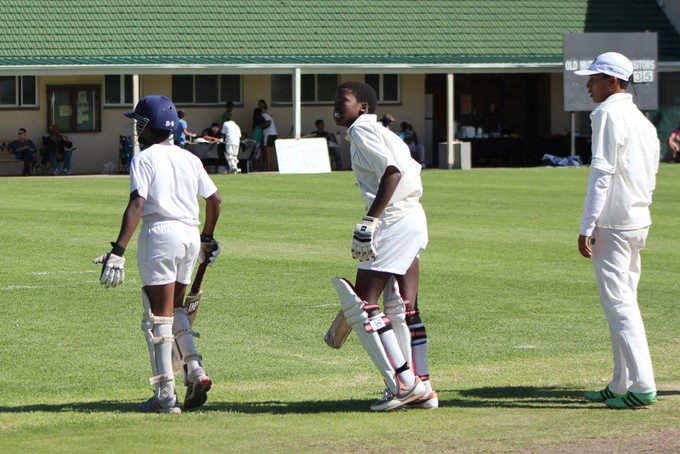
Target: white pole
column 297, row 103
column 135, row 100
column 449, row 114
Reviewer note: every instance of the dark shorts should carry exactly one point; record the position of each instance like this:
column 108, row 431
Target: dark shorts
column 270, row 141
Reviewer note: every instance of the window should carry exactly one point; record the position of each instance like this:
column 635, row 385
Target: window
column 314, row 88
column 206, row 89
column 18, row 91
column 118, row 90
column 386, row 86
column 74, row 108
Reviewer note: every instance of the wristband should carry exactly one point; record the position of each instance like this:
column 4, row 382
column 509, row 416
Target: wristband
column 117, row 249
column 206, row 238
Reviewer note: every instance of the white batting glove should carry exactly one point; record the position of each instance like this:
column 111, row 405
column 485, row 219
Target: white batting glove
column 210, row 249
column 362, row 242
column 113, row 269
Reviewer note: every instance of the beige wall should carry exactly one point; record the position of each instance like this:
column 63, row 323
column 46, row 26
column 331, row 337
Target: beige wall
column 97, row 149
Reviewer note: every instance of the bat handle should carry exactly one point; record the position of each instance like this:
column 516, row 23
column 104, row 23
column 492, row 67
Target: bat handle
column 198, row 280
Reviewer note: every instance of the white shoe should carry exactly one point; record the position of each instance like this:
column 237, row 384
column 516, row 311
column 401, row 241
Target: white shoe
column 428, row 402
column 197, row 390
column 391, row 402
column 155, row 405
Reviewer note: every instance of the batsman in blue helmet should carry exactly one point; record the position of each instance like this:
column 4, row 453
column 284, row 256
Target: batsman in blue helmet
column 165, row 181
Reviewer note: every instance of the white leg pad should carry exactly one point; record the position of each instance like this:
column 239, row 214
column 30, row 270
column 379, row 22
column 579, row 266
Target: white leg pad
column 367, row 331
column 395, row 310
column 184, row 349
column 158, row 335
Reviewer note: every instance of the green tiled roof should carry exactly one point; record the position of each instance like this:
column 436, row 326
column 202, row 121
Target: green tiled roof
column 313, row 32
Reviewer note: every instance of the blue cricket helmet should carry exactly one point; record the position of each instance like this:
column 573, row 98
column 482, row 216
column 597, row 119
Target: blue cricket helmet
column 155, row 111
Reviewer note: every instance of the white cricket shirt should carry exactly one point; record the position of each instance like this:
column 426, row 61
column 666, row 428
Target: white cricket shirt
column 170, row 178
column 373, row 148
column 626, row 147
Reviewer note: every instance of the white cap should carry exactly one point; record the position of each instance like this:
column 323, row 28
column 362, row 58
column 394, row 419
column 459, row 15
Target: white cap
column 611, row 64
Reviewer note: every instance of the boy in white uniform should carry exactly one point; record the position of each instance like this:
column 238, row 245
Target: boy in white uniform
column 231, row 134
column 387, row 244
column 164, row 182
column 616, row 221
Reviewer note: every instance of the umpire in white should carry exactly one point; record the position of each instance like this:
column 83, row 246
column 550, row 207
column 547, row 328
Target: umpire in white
column 615, row 223
column 164, row 183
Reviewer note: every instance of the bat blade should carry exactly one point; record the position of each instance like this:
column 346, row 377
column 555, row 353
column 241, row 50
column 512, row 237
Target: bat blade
column 338, row 332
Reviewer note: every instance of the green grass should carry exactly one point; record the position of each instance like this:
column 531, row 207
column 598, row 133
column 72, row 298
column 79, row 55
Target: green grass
column 515, row 328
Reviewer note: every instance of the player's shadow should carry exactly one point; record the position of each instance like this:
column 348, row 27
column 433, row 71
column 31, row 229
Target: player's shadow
column 527, row 397
column 488, row 397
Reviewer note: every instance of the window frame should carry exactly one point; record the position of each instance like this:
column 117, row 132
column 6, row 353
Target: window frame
column 220, row 98
column 123, row 89
column 19, row 87
column 380, row 90
column 94, row 93
column 277, row 87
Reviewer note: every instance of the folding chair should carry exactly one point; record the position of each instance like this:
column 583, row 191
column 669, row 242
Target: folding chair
column 126, row 152
column 246, row 152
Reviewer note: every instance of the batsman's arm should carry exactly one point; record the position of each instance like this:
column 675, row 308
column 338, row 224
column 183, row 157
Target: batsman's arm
column 131, row 218
column 388, row 184
column 213, row 206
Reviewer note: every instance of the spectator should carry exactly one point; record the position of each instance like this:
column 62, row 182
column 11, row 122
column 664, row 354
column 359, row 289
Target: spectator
column 226, row 115
column 270, row 136
column 58, row 148
column 211, row 134
column 182, row 131
column 333, row 147
column 387, row 120
column 673, row 146
column 24, row 149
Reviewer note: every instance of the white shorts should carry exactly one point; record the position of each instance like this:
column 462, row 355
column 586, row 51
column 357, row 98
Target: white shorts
column 167, row 252
column 398, row 245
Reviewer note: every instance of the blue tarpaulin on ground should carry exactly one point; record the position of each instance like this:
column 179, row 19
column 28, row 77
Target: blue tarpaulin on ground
column 551, row 160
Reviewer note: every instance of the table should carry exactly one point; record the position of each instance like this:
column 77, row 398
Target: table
column 209, row 153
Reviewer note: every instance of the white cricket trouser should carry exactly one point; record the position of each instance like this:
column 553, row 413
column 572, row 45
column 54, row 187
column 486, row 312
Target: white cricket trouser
column 232, row 156
column 616, row 260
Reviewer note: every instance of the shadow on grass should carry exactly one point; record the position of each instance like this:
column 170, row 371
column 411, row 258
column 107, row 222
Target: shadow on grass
column 491, row 397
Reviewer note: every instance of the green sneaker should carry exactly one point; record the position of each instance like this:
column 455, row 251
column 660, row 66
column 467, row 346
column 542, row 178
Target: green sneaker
column 601, row 396
column 632, row 400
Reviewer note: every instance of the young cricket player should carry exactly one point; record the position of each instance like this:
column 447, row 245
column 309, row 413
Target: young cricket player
column 164, row 183
column 616, row 221
column 387, row 244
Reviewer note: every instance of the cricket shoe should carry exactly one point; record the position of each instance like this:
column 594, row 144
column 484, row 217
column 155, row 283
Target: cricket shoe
column 164, row 406
column 601, row 395
column 427, row 402
column 197, row 390
column 631, row 400
column 391, row 402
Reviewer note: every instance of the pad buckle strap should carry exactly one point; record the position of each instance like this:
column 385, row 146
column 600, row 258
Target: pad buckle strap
column 161, row 379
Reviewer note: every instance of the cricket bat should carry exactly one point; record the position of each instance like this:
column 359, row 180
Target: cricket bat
column 193, row 299
column 338, row 332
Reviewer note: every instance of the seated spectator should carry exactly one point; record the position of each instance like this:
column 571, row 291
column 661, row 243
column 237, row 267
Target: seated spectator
column 24, row 149
column 673, row 153
column 58, row 148
column 333, row 147
column 211, row 134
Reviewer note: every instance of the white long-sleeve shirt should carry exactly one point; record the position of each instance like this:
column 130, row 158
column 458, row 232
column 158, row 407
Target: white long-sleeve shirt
column 625, row 161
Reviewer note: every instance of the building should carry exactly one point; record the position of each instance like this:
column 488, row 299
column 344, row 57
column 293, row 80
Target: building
column 81, row 64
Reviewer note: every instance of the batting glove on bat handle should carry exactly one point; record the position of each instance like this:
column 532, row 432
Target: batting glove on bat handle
column 362, row 242
column 113, row 269
column 209, row 250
